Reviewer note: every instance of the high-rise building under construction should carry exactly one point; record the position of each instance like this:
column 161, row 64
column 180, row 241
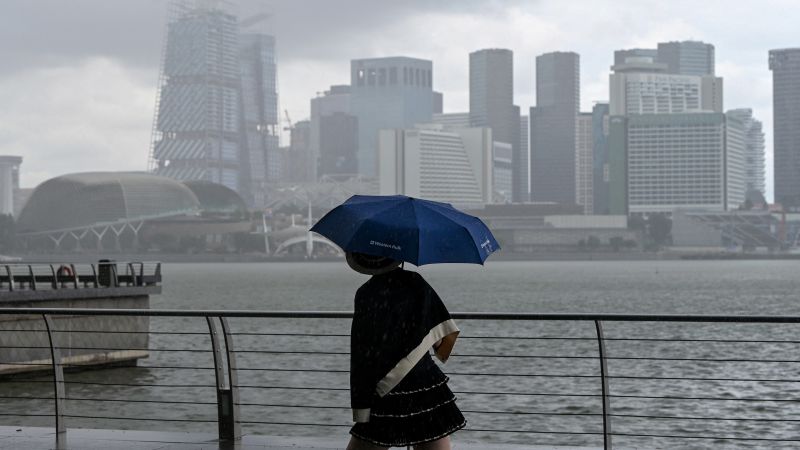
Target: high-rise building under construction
column 216, row 110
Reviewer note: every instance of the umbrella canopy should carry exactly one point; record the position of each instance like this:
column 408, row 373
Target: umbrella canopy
column 407, row 229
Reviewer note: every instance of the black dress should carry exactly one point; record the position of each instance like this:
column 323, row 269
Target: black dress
column 398, row 393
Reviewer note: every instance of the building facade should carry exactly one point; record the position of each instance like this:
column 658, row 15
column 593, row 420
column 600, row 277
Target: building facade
column 502, row 172
column 754, row 149
column 584, row 163
column 601, row 166
column 785, row 67
column 386, row 93
column 553, row 125
column 491, row 91
column 9, row 182
column 642, row 86
column 684, row 161
column 216, row 114
column 523, row 167
column 334, row 101
column 687, row 57
column 338, row 145
column 452, row 120
column 431, row 162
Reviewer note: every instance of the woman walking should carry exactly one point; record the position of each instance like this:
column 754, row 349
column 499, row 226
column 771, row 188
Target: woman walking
column 399, row 395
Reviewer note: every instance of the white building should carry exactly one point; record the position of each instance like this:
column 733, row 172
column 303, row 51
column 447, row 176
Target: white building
column 431, row 162
column 754, row 149
column 9, row 182
column 684, row 161
column 452, row 120
column 584, row 163
column 641, row 86
column 502, row 165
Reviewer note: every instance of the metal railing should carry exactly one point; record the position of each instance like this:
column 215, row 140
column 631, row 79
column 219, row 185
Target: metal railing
column 14, row 277
column 558, row 379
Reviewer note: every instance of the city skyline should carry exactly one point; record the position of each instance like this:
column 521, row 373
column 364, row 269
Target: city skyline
column 112, row 75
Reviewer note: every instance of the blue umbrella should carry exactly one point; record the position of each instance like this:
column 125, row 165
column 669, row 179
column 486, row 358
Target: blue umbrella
column 407, row 229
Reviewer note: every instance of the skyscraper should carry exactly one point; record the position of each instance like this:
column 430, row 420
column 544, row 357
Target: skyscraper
column 523, row 167
column 584, row 163
column 785, row 66
column 217, row 102
column 600, row 156
column 643, row 86
column 394, row 92
column 553, row 127
column 334, row 133
column 687, row 57
column 754, row 149
column 491, row 91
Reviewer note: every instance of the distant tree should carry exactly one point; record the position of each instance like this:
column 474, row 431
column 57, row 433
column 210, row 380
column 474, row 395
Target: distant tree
column 636, row 223
column 659, row 227
column 746, row 206
column 616, row 243
column 593, row 242
column 8, row 234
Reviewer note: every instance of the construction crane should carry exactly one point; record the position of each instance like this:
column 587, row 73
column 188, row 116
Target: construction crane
column 288, row 121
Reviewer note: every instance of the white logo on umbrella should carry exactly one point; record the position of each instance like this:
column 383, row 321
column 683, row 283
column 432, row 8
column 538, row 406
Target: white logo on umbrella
column 383, row 244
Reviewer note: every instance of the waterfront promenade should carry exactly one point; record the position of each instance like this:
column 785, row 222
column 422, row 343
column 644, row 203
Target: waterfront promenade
column 32, row 438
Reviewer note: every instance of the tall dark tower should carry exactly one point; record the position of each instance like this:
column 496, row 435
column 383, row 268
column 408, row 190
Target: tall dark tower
column 785, row 66
column 553, row 127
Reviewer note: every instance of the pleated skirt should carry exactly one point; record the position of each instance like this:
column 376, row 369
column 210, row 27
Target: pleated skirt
column 421, row 408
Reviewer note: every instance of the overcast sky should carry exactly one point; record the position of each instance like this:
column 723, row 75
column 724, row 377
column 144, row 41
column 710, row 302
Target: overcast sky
column 78, row 77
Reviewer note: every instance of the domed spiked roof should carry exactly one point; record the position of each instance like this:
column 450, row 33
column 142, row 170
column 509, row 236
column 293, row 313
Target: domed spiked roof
column 83, row 199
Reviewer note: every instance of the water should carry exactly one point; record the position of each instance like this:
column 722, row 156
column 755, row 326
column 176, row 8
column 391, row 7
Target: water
column 544, row 403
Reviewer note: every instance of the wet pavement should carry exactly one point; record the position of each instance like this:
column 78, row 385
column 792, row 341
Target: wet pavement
column 34, row 438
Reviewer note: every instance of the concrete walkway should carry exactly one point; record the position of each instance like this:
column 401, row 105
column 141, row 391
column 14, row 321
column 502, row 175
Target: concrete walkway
column 32, row 438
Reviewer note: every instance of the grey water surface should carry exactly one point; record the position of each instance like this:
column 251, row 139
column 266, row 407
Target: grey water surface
column 518, row 382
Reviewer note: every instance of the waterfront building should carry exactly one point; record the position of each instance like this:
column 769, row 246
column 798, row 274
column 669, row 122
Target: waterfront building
column 641, row 85
column 584, row 163
column 334, row 101
column 259, row 97
column 338, row 144
column 687, row 57
column 432, row 162
column 394, row 92
column 785, row 67
column 678, row 57
column 502, row 169
column 9, row 182
column 216, row 111
column 300, row 160
column 522, row 167
column 452, row 120
column 438, row 102
column 601, row 164
column 754, row 149
column 682, row 161
column 491, row 91
column 553, row 125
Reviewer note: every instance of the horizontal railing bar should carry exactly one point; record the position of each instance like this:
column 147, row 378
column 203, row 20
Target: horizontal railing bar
column 174, row 367
column 22, row 397
column 738, row 419
column 490, row 430
column 254, row 422
column 724, row 399
column 524, row 394
column 95, row 383
column 349, row 315
column 725, row 438
column 144, row 419
column 760, row 380
column 529, row 413
column 110, row 400
column 299, row 388
column 25, row 415
column 112, row 349
column 290, row 352
column 273, row 405
column 170, row 333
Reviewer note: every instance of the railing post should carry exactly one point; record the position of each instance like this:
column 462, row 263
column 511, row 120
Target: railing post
column 233, row 379
column 58, row 377
column 227, row 394
column 10, row 278
column 604, row 386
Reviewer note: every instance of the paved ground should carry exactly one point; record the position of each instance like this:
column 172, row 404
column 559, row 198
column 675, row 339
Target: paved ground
column 32, row 438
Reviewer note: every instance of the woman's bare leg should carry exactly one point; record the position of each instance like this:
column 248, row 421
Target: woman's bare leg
column 439, row 444
column 358, row 444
